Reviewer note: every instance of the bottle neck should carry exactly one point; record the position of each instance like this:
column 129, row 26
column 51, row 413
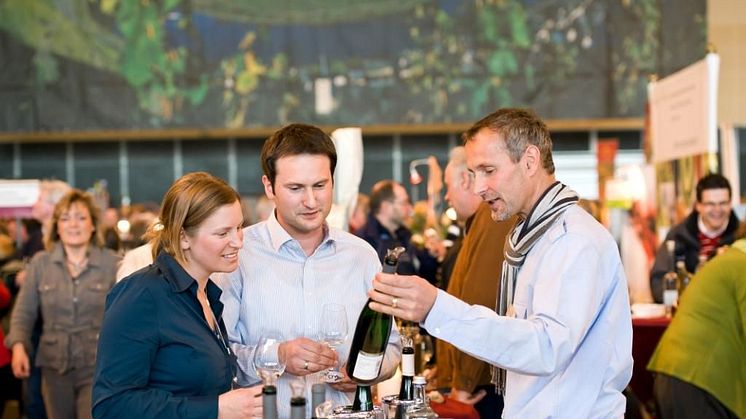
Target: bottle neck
column 419, row 394
column 298, row 408
column 406, row 390
column 407, row 362
column 363, row 399
column 269, row 402
column 672, row 256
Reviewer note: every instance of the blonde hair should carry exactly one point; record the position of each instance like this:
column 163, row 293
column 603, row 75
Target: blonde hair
column 191, row 199
column 64, row 204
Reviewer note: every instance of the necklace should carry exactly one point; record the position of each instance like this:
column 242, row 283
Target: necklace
column 216, row 327
column 222, row 339
column 76, row 268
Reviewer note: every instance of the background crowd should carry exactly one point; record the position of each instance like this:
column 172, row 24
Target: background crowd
column 59, row 266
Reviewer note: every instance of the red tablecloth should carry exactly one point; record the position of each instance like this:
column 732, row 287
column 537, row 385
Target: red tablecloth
column 454, row 409
column 645, row 336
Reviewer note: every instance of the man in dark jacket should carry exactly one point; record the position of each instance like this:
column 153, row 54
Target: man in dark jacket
column 708, row 227
column 389, row 209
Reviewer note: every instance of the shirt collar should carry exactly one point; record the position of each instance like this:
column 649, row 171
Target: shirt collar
column 180, row 280
column 94, row 254
column 707, row 232
column 278, row 236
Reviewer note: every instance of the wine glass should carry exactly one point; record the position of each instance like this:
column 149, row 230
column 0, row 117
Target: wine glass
column 267, row 361
column 333, row 333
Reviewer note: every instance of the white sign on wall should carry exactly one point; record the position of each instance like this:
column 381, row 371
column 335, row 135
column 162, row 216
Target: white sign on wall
column 683, row 111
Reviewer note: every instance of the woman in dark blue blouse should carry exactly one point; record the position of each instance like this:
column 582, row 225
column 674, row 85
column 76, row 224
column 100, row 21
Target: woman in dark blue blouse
column 163, row 350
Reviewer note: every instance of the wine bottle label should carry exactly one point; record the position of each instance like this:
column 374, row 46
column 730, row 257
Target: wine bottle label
column 367, row 366
column 670, row 297
column 407, row 365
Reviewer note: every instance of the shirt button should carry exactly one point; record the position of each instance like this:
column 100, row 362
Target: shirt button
column 75, row 300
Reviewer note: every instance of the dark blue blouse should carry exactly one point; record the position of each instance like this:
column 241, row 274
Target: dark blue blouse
column 157, row 356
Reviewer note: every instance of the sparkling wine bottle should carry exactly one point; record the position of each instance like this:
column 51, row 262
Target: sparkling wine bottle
column 363, row 399
column 371, row 335
column 406, row 390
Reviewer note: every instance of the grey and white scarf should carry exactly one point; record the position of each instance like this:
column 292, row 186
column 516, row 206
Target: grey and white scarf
column 555, row 200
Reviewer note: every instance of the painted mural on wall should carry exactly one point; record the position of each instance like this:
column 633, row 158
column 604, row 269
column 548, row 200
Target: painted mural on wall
column 134, row 64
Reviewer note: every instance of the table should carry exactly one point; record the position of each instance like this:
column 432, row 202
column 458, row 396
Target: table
column 646, row 332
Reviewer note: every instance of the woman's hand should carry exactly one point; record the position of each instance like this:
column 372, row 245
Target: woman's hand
column 20, row 362
column 241, row 403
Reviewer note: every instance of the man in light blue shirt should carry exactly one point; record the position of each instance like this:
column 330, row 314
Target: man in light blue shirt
column 294, row 263
column 561, row 339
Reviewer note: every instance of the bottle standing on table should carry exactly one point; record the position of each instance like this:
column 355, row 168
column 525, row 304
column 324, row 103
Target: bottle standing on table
column 670, row 283
column 421, row 408
column 318, row 396
column 363, row 399
column 371, row 335
column 684, row 277
column 269, row 402
column 406, row 390
column 298, row 400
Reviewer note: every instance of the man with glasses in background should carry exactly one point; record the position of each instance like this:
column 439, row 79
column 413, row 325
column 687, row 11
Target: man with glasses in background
column 707, row 228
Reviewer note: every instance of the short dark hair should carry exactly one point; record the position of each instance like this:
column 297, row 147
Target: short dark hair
column 382, row 191
column 519, row 128
column 712, row 181
column 292, row 140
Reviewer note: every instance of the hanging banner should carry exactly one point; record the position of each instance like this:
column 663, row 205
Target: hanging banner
column 683, row 110
column 18, row 196
column 606, row 154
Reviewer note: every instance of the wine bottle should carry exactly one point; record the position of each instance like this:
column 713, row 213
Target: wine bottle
column 670, row 282
column 406, row 390
column 318, row 396
column 297, row 400
column 363, row 399
column 269, row 402
column 371, row 334
column 298, row 408
column 684, row 276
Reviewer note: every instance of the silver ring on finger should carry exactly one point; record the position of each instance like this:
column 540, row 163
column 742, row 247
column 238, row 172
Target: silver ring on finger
column 305, row 365
column 395, row 302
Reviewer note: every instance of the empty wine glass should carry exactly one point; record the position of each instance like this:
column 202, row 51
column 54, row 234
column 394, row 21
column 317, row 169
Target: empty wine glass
column 333, row 333
column 267, row 361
